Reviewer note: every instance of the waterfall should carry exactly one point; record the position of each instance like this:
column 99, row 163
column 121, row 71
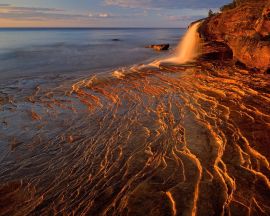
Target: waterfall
column 188, row 48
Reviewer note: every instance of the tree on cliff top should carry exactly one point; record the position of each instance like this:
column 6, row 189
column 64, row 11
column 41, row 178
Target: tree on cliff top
column 234, row 4
column 228, row 6
column 210, row 13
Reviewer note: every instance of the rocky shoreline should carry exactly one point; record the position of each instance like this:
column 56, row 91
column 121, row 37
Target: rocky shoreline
column 189, row 139
column 242, row 32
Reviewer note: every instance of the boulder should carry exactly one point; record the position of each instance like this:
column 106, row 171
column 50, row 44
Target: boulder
column 245, row 29
column 159, row 47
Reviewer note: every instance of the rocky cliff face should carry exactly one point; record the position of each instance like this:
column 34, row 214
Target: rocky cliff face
column 245, row 29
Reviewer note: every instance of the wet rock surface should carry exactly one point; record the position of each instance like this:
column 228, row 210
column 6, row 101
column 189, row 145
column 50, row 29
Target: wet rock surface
column 174, row 140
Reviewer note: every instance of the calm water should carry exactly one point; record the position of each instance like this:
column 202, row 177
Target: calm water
column 31, row 52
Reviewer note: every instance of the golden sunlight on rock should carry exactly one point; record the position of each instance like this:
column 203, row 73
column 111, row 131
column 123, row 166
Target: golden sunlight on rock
column 184, row 135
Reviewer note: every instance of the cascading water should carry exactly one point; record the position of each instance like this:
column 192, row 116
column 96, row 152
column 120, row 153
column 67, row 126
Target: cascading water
column 188, row 48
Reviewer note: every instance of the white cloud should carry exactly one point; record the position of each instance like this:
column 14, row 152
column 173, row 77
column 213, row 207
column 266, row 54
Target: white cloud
column 104, row 15
column 100, row 15
column 169, row 4
column 34, row 13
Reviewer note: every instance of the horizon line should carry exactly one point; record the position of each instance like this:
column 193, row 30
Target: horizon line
column 35, row 27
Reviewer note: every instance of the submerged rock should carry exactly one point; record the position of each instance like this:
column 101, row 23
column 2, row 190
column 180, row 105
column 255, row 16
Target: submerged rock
column 159, row 47
column 245, row 29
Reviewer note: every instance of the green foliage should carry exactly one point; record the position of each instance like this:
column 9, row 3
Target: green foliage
column 234, row 4
column 228, row 6
column 210, row 13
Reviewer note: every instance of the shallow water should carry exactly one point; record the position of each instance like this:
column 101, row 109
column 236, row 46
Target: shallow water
column 39, row 52
column 174, row 140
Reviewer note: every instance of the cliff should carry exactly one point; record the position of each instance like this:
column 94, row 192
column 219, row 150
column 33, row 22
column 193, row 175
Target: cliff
column 243, row 27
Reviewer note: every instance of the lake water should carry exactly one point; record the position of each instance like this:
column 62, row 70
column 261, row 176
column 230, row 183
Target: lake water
column 28, row 52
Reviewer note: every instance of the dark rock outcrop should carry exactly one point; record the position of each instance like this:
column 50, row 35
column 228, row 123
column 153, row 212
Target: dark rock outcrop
column 159, row 47
column 245, row 29
column 216, row 51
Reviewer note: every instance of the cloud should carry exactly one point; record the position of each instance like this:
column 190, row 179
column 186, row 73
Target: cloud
column 28, row 9
column 39, row 14
column 150, row 13
column 167, row 4
column 104, row 15
column 100, row 15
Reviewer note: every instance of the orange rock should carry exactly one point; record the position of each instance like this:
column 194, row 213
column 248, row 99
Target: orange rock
column 245, row 29
column 263, row 24
column 159, row 47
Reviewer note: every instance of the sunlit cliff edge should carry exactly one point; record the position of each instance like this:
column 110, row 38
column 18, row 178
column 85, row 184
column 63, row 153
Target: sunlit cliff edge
column 243, row 27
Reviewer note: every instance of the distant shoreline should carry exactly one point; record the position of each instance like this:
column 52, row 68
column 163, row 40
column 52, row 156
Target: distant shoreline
column 80, row 28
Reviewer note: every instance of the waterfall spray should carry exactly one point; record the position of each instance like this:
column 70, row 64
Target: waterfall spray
column 188, row 48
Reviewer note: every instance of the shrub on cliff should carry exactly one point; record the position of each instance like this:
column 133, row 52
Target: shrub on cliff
column 234, row 4
column 210, row 13
column 228, row 6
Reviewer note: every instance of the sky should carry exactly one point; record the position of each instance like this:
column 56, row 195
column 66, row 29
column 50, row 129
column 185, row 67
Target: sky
column 104, row 13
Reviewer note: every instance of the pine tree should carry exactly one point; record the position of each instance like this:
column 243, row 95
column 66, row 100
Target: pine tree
column 210, row 13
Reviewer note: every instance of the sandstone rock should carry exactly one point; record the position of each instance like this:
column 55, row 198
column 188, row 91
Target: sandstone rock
column 159, row 47
column 263, row 24
column 216, row 51
column 245, row 29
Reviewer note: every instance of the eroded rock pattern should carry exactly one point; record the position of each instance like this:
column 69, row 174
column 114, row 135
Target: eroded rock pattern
column 186, row 140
